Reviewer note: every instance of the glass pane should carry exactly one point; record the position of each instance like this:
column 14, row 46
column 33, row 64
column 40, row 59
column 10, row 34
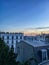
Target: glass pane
column 44, row 55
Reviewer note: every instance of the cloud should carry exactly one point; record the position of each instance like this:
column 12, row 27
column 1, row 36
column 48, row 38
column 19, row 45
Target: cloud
column 37, row 28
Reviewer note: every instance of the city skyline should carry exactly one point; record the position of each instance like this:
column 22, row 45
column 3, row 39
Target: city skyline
column 18, row 15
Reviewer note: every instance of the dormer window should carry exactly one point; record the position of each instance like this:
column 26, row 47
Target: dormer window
column 43, row 54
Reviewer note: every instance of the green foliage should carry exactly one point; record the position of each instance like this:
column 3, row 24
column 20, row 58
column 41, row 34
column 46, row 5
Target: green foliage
column 12, row 57
column 28, row 62
column 7, row 57
column 3, row 52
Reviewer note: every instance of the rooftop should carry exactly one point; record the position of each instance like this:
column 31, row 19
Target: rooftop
column 36, row 43
column 11, row 33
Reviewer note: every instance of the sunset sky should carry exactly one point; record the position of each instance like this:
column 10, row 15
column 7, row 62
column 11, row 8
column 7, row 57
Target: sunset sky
column 21, row 15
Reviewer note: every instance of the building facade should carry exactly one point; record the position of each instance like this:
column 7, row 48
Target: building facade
column 12, row 38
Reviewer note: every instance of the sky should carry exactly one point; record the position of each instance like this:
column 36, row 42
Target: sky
column 18, row 15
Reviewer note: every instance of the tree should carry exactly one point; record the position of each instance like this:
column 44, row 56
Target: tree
column 7, row 57
column 3, row 52
column 28, row 62
column 12, row 57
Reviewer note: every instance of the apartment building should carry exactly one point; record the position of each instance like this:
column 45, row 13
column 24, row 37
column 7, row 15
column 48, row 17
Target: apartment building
column 11, row 38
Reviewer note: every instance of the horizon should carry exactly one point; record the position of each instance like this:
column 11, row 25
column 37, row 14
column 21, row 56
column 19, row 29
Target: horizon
column 32, row 31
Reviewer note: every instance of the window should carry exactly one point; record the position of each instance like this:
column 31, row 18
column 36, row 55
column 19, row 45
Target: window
column 12, row 37
column 44, row 55
column 16, row 37
column 48, row 52
column 3, row 37
column 40, row 55
column 12, row 41
column 7, row 37
column 16, row 41
column 12, row 48
column 20, row 37
column 7, row 42
column 18, row 50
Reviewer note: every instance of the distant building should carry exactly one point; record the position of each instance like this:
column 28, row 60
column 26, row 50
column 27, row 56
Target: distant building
column 11, row 38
